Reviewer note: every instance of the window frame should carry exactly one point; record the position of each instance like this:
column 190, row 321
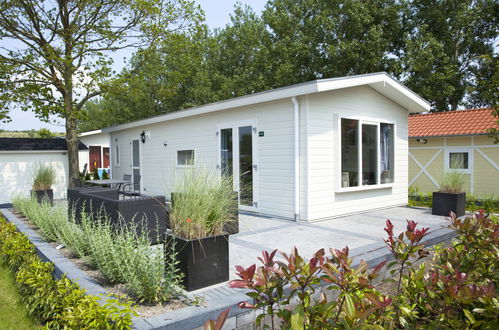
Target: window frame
column 450, row 150
column 186, row 165
column 367, row 121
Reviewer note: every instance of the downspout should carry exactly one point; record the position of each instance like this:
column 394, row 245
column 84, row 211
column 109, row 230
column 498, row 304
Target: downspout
column 297, row 156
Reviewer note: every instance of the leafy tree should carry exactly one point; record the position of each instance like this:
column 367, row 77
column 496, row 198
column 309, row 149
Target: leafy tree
column 158, row 80
column 45, row 133
column 238, row 59
column 449, row 48
column 320, row 39
column 55, row 56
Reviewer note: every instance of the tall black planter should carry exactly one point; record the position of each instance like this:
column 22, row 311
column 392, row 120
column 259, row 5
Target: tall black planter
column 46, row 195
column 444, row 203
column 203, row 262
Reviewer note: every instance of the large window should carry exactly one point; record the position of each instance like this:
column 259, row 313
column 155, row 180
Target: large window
column 367, row 153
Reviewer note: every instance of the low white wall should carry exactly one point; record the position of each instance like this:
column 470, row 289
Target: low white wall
column 17, row 170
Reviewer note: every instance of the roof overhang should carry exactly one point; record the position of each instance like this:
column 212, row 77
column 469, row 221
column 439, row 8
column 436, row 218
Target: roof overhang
column 88, row 133
column 381, row 82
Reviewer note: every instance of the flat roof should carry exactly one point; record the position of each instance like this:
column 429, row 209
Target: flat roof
column 36, row 144
column 380, row 81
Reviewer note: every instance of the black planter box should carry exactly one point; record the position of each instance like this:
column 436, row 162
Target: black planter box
column 231, row 227
column 203, row 262
column 444, row 203
column 145, row 214
column 43, row 195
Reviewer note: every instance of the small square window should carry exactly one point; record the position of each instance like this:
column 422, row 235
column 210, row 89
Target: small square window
column 458, row 160
column 185, row 157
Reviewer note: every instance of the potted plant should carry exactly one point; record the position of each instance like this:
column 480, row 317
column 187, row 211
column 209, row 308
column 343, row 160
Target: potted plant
column 43, row 180
column 202, row 207
column 450, row 197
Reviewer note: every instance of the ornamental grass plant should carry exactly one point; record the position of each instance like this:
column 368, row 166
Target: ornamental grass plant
column 453, row 180
column 44, row 177
column 203, row 204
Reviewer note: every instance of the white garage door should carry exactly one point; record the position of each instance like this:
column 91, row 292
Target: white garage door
column 16, row 173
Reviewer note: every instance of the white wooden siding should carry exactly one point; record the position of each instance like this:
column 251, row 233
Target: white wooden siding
column 17, row 170
column 275, row 156
column 319, row 151
column 324, row 149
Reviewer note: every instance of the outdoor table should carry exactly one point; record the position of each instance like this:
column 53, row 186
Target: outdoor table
column 107, row 182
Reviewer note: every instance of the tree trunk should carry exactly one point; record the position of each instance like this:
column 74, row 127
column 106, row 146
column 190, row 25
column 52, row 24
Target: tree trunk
column 72, row 141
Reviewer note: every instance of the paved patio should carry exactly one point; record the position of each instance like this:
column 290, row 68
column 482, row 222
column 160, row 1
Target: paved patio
column 362, row 233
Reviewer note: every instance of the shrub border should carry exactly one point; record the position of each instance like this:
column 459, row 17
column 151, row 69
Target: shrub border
column 191, row 317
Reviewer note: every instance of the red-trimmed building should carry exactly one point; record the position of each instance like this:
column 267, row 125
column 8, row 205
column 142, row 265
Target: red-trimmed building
column 455, row 141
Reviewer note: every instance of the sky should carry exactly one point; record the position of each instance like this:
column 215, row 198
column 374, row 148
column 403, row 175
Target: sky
column 217, row 13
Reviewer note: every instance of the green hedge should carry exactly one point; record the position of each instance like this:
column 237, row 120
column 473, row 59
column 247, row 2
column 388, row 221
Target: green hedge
column 60, row 303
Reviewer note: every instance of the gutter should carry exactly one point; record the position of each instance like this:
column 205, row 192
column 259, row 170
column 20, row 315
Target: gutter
column 297, row 156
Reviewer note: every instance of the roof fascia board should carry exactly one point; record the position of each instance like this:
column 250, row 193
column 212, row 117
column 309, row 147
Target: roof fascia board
column 268, row 96
column 33, row 151
column 453, row 135
column 399, row 94
column 97, row 131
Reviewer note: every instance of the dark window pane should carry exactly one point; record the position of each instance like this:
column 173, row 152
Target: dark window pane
column 458, row 160
column 387, row 161
column 349, row 152
column 135, row 153
column 245, row 166
column 185, row 157
column 369, row 154
column 226, row 152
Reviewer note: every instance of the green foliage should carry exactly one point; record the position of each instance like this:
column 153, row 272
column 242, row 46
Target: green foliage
column 48, row 219
column 448, row 44
column 452, row 181
column 357, row 303
column 443, row 51
column 44, row 177
column 88, row 176
column 56, row 303
column 459, row 288
column 203, row 203
column 105, row 176
column 95, row 174
column 13, row 313
column 45, row 133
column 63, row 55
column 123, row 256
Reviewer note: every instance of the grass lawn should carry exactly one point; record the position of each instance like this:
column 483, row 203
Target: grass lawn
column 13, row 315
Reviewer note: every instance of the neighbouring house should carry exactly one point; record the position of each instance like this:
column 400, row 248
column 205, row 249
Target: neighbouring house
column 20, row 157
column 455, row 141
column 308, row 152
column 97, row 154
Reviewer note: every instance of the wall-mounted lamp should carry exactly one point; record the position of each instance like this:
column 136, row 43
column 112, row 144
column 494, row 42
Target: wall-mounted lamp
column 143, row 136
column 115, row 139
column 165, row 144
column 423, row 141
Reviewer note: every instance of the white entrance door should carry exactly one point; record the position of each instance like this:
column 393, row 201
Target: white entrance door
column 237, row 159
column 136, row 165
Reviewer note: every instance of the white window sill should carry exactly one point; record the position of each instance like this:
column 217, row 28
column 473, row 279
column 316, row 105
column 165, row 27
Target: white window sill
column 185, row 166
column 362, row 188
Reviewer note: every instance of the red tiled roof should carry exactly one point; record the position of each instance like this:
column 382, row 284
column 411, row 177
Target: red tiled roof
column 459, row 122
